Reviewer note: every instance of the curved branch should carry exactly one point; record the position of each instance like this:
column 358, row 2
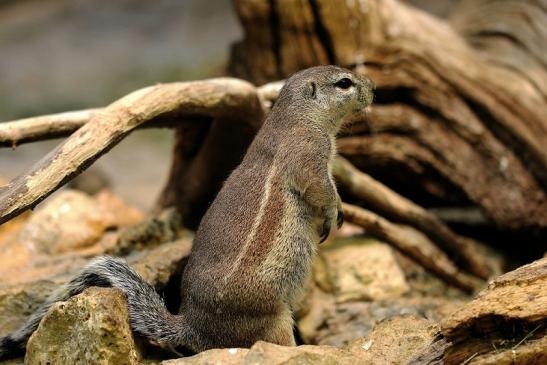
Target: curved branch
column 26, row 130
column 412, row 243
column 401, row 209
column 16, row 132
column 215, row 98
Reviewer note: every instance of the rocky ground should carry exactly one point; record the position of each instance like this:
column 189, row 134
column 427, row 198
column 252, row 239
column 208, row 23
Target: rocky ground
column 366, row 303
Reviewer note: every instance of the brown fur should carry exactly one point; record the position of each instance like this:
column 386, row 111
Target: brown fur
column 253, row 250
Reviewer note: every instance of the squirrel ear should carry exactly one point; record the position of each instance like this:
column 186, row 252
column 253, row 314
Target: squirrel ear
column 310, row 90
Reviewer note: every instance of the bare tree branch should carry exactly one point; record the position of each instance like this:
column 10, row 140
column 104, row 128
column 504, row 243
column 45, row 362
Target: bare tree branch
column 400, row 209
column 214, row 98
column 26, row 130
column 412, row 243
column 40, row 128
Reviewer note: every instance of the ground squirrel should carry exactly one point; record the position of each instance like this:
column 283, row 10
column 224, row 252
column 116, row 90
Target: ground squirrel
column 252, row 252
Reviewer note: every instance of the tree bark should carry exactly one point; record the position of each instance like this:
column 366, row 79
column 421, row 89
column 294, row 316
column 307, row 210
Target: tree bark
column 460, row 105
column 506, row 324
column 412, row 243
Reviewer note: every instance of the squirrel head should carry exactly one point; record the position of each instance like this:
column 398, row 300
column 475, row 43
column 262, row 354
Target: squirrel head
column 326, row 94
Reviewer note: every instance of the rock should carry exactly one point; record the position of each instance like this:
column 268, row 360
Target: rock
column 60, row 237
column 363, row 269
column 158, row 264
column 337, row 324
column 505, row 324
column 233, row 356
column 394, row 341
column 358, row 282
column 73, row 220
column 264, row 353
column 90, row 328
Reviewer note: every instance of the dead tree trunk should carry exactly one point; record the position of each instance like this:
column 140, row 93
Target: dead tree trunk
column 459, row 115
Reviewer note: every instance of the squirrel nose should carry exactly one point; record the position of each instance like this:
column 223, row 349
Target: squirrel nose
column 369, row 84
column 366, row 90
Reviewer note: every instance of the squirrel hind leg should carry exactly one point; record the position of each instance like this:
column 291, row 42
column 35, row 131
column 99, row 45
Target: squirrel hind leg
column 281, row 332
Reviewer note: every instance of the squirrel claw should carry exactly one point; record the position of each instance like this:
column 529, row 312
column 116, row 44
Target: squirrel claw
column 340, row 218
column 325, row 232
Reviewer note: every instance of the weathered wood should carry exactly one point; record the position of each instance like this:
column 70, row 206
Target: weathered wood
column 412, row 243
column 232, row 99
column 27, row 130
column 439, row 159
column 460, row 106
column 44, row 127
column 396, row 207
column 505, row 324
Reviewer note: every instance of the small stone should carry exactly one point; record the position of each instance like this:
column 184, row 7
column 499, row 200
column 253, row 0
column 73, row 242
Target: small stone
column 366, row 346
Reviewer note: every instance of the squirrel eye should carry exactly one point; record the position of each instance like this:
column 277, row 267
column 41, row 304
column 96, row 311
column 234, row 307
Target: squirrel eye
column 344, row 83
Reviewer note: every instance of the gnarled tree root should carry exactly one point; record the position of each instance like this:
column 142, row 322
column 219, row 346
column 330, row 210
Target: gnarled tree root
column 413, row 243
column 226, row 98
column 390, row 204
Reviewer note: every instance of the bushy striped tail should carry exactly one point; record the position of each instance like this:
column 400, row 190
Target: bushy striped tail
column 148, row 315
